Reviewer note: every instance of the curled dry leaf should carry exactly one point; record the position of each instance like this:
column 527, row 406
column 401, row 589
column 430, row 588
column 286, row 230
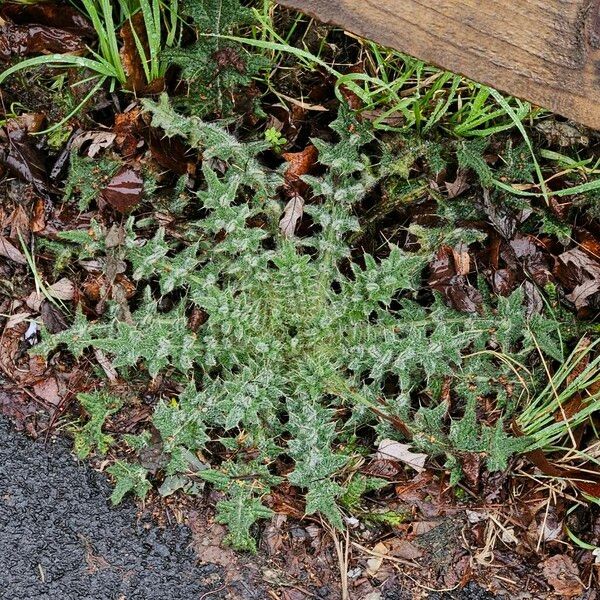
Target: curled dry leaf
column 299, row 163
column 98, row 139
column 459, row 185
column 374, row 564
column 292, row 213
column 392, row 450
column 581, row 272
column 38, row 216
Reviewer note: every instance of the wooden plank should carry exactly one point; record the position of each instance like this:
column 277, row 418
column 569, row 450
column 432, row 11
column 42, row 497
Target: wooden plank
column 545, row 51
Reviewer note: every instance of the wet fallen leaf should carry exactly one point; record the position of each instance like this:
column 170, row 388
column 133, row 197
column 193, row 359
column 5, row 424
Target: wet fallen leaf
column 292, row 213
column 48, row 390
column 299, row 164
column 500, row 216
column 446, row 279
column 9, row 251
column 128, row 130
column 132, row 33
column 170, row 153
column 581, row 272
column 52, row 317
column 459, row 185
column 19, row 155
column 392, row 450
column 562, row 574
column 53, row 14
column 24, row 40
column 124, row 190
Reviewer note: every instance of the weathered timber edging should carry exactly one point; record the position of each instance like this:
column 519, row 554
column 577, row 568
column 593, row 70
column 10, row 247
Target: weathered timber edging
column 545, row 51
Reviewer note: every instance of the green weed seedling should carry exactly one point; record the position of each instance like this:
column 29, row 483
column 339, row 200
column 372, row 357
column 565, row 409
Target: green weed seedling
column 301, row 345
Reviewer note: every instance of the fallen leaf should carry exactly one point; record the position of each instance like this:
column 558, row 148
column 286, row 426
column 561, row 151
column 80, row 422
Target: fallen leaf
column 30, row 122
column 292, row 213
column 462, row 261
column 37, row 222
column 500, row 216
column 299, row 164
column 470, row 463
column 53, row 318
column 20, row 156
column 53, row 14
column 99, row 140
column 48, row 390
column 459, row 185
column 24, row 40
column 17, row 406
column 562, row 574
column 273, row 534
column 446, row 279
column 578, row 270
column 423, row 527
column 124, row 190
column 63, row 289
column 404, row 549
column 374, row 563
column 128, row 130
column 392, row 450
column 17, row 318
column 9, row 251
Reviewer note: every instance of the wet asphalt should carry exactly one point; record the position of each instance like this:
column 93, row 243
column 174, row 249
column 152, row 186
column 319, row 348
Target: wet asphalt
column 60, row 539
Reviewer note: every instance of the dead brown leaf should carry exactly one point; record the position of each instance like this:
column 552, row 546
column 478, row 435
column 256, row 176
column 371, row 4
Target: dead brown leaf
column 9, row 251
column 48, row 390
column 447, row 279
column 459, row 185
column 292, row 213
column 580, row 272
column 37, row 222
column 299, row 164
column 401, row 548
column 562, row 574
column 395, row 451
column 99, row 140
column 124, row 191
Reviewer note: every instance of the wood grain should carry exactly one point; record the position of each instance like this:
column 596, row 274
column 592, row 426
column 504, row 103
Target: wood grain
column 545, row 51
